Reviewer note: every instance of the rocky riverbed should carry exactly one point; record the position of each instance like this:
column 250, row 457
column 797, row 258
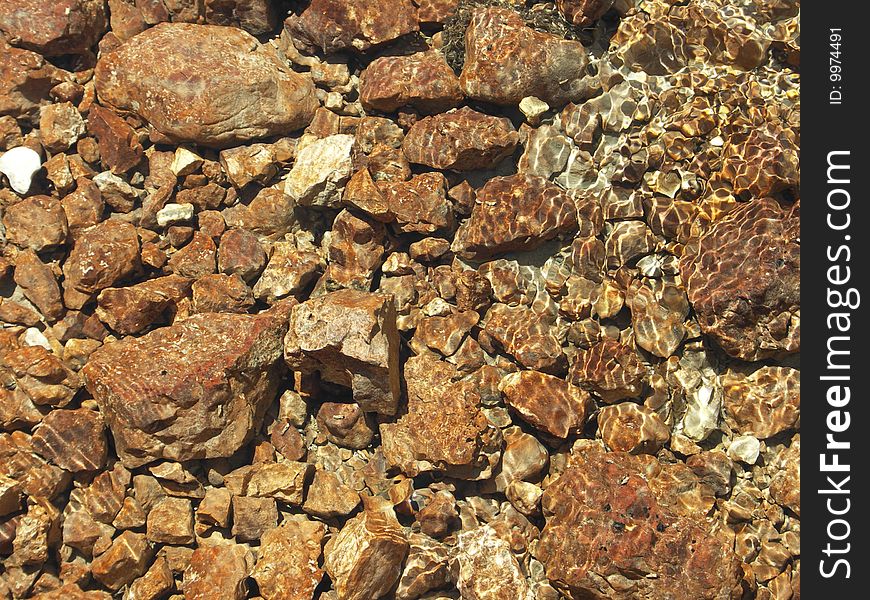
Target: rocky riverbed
column 400, row 299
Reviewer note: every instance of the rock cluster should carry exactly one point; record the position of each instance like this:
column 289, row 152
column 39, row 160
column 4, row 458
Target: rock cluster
column 401, row 300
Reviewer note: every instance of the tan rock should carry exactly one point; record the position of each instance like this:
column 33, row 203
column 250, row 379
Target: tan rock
column 764, row 403
column 37, row 222
column 54, row 28
column 214, row 508
column 345, row 425
column 253, row 516
column 485, row 569
column 549, row 403
column 320, row 170
column 156, row 583
column 630, row 427
column 101, row 257
column 284, row 481
column 60, row 126
column 170, row 521
column 72, row 439
column 126, row 559
column 328, row 497
column 422, row 80
column 218, row 571
column 120, row 149
column 287, row 563
column 425, row 569
column 39, row 284
column 246, row 164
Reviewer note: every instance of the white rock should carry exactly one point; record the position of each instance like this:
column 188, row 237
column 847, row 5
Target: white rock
column 34, row 337
column 174, row 213
column 20, row 165
column 437, row 308
column 334, row 101
column 322, row 167
column 185, row 162
column 744, row 448
column 533, row 108
column 484, row 567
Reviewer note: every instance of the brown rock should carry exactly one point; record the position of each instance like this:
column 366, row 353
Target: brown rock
column 246, row 164
column 549, row 403
column 254, row 16
column 60, row 126
column 328, row 497
column 523, row 334
column 39, row 285
column 335, row 25
column 785, row 485
column 284, row 481
column 517, row 212
column 38, row 223
column 83, row 206
column 71, row 591
column 132, row 309
column 445, row 334
column 42, row 375
column 104, row 497
column 742, row 276
column 439, row 517
column 170, row 521
column 126, row 559
column 461, row 139
column 120, row 149
column 425, row 569
column 583, row 12
column 241, row 90
column 435, row 12
column 610, row 370
column 288, row 441
column 72, row 439
column 630, row 427
column 350, row 337
column 614, row 499
column 419, row 205
column 505, row 61
column 54, row 28
column 345, row 425
column 485, row 569
column 156, row 583
column 214, row 508
column 102, row 256
column 659, row 308
column 16, row 313
column 165, row 406
column 221, row 293
column 364, row 560
column 240, row 253
column 443, row 429
column 131, row 515
column 253, row 516
column 763, row 404
column 422, row 80
column 289, row 272
column 196, row 259
column 218, row 572
column 25, row 80
column 287, row 561
column 270, row 214
column 354, row 253
column 204, row 197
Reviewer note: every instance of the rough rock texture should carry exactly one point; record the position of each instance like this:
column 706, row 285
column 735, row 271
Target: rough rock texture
column 54, row 28
column 485, row 568
column 422, row 80
column 549, row 403
column 103, row 255
column 609, row 369
column 320, row 170
column 629, row 427
column 764, row 403
column 286, row 566
column 200, row 386
column 72, row 439
column 25, row 80
column 218, row 571
column 251, row 95
column 742, row 278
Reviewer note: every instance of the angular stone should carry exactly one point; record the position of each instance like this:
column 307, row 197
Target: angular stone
column 252, row 517
column 104, row 497
column 523, row 334
column 461, row 139
column 126, row 559
column 364, row 560
column 241, row 253
column 764, row 403
column 549, row 403
column 102, row 256
column 419, row 205
column 214, row 508
column 170, row 521
column 354, row 252
column 445, row 334
column 72, row 439
column 320, row 170
column 156, row 583
column 422, row 80
column 71, row 591
column 38, row 223
column 284, row 481
column 350, row 337
column 42, row 375
column 583, row 12
column 60, row 126
column 197, row 258
column 287, row 561
column 742, row 278
column 25, row 80
column 485, row 569
column 335, row 25
column 659, row 308
column 246, row 164
column 524, row 458
column 328, row 497
column 54, row 28
column 84, row 206
column 196, row 389
column 289, row 272
column 517, row 212
column 116, row 192
column 132, row 309
column 257, row 17
column 120, row 149
column 345, row 425
column 39, row 285
column 131, row 515
column 221, row 293
column 610, row 370
column 444, row 429
column 633, row 428
column 221, row 89
column 505, row 61
column 174, row 213
column 425, row 569
column 785, row 486
column 218, row 571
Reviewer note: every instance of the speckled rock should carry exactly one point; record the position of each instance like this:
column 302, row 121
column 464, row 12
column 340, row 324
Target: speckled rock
column 583, row 12
column 39, row 284
column 126, row 559
column 419, row 205
column 54, row 28
column 549, row 403
column 485, row 569
column 354, row 251
column 251, row 95
column 37, row 222
column 422, row 80
column 129, row 310
column 103, row 255
column 257, row 17
column 218, row 571
column 287, row 561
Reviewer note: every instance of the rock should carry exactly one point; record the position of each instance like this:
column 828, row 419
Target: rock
column 156, row 583
column 25, row 80
column 131, row 515
column 525, row 497
column 253, row 516
column 744, row 448
column 321, row 169
column 289, row 272
column 351, row 339
column 533, row 109
column 19, row 165
column 485, row 569
column 419, row 205
column 257, row 17
column 444, row 429
column 174, row 213
column 742, row 275
column 246, row 164
column 461, row 139
column 126, row 559
column 240, row 253
column 425, row 569
column 170, row 521
column 336, row 25
column 422, row 80
column 621, row 502
column 517, row 212
column 71, row 591
column 364, row 560
column 284, row 481
column 583, row 12
column 54, row 28
column 41, row 375
column 116, row 192
column 221, row 293
column 610, row 370
column 214, row 508
column 84, row 206
column 287, row 561
column 439, row 517
column 524, row 458
column 132, row 309
column 523, row 334
column 39, row 285
column 181, row 374
column 764, row 403
column 120, row 149
column 101, row 256
column 72, row 439
column 659, row 308
column 60, row 126
column 328, row 497
column 354, row 251
column 445, row 334
column 345, row 425
column 549, row 403
column 241, row 91
column 38, row 223
column 785, row 485
column 218, row 571
column 197, row 258
column 633, row 428
column 505, row 61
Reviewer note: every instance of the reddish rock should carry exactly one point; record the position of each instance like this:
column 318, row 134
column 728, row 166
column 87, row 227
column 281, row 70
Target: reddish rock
column 523, row 334
column 610, row 370
column 221, row 293
column 583, row 13
column 102, row 256
column 270, row 214
column 763, row 404
column 422, row 80
column 287, row 561
column 445, row 334
column 351, row 339
column 439, row 517
column 38, row 223
column 25, row 80
column 120, row 149
column 72, row 439
column 419, row 205
column 252, row 517
column 505, row 61
column 160, row 393
column 630, row 427
column 610, row 527
column 335, row 25
column 60, row 126
column 345, row 425
column 196, row 259
column 461, row 139
column 218, row 571
column 435, row 12
column 170, row 521
column 246, row 164
column 132, row 309
column 204, row 197
column 254, row 16
column 39, row 284
column 84, row 206
column 71, row 591
column 549, row 403
column 742, row 277
column 328, row 497
column 240, row 89
column 126, row 559
column 517, row 212
column 157, row 583
column 42, row 375
column 56, row 27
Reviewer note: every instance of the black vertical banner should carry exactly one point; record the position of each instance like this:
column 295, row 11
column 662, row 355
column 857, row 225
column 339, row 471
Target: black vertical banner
column 834, row 254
